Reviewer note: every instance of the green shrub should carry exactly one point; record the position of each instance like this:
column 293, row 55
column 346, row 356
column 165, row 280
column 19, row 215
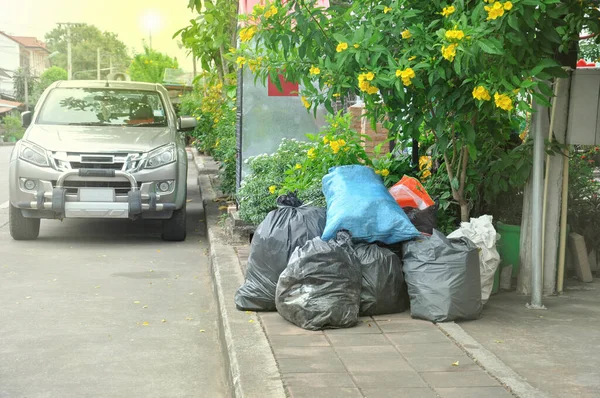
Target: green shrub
column 13, row 127
column 300, row 167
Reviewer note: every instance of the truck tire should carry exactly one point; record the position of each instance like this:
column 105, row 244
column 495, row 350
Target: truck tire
column 22, row 228
column 174, row 229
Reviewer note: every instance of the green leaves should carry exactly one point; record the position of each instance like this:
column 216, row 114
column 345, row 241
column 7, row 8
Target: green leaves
column 491, row 46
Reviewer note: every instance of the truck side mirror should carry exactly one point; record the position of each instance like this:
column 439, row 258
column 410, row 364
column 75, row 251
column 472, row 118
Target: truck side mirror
column 26, row 118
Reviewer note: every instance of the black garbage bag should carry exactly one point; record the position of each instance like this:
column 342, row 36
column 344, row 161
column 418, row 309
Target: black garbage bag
column 383, row 289
column 290, row 226
column 443, row 278
column 424, row 220
column 320, row 288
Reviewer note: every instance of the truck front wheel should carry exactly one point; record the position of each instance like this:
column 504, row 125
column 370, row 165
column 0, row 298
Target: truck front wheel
column 174, row 229
column 22, row 228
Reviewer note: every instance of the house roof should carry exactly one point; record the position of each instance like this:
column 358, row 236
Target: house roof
column 27, row 41
column 8, row 106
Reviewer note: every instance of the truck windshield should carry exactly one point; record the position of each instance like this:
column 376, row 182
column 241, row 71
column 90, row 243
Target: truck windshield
column 103, row 106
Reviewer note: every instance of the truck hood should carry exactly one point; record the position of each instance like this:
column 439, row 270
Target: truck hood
column 99, row 138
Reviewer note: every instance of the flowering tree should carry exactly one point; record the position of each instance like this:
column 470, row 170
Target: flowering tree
column 455, row 69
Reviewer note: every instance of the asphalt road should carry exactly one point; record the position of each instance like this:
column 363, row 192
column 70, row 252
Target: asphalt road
column 107, row 309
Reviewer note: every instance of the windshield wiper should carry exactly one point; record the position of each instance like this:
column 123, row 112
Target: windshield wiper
column 163, row 124
column 88, row 124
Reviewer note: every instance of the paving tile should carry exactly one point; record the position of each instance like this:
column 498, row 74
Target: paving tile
column 299, row 340
column 372, row 359
column 318, row 380
column 274, row 324
column 388, row 379
column 400, row 317
column 365, row 325
column 442, row 364
column 375, row 392
column 326, row 392
column 474, row 392
column 358, row 339
column 445, row 349
column 459, row 379
column 391, row 326
column 416, row 337
column 301, row 365
column 309, row 353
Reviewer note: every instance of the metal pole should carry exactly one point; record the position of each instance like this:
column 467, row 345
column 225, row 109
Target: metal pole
column 69, row 60
column 537, row 282
column 98, row 63
column 26, row 81
column 150, row 36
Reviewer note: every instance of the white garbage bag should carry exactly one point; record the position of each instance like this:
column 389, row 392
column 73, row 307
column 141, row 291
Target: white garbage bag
column 481, row 232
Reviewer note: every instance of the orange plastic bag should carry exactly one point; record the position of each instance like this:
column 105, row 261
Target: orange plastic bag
column 408, row 192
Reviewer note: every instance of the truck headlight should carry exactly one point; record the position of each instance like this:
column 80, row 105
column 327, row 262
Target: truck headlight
column 33, row 154
column 161, row 156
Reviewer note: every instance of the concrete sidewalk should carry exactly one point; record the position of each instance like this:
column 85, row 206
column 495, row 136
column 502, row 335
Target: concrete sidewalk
column 384, row 356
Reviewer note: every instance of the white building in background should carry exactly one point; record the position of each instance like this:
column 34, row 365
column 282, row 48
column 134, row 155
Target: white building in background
column 27, row 53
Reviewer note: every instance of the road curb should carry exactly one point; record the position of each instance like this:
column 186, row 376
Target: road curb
column 249, row 361
column 490, row 362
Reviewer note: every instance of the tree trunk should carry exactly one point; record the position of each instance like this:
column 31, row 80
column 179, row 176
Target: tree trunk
column 464, row 212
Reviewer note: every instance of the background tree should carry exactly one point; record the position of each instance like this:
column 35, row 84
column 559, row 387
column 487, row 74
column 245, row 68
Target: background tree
column 210, row 36
column 456, row 70
column 85, row 41
column 150, row 66
column 19, row 79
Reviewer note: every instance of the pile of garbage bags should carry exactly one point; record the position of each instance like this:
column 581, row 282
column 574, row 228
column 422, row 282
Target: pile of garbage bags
column 371, row 252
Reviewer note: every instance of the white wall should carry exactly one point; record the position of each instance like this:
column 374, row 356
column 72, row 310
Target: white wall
column 9, row 60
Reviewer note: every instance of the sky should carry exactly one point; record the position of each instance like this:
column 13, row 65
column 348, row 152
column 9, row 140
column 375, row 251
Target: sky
column 127, row 18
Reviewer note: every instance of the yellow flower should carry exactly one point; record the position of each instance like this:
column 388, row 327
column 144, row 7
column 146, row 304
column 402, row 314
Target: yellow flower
column 507, row 6
column 480, row 93
column 314, row 70
column 240, row 61
column 372, row 90
column 334, row 125
column 406, row 75
column 346, row 149
column 270, row 12
column 298, row 166
column 341, row 142
column 455, row 34
column 503, row 101
column 495, row 11
column 335, row 146
column 386, row 9
column 412, row 58
column 341, row 47
column 311, row 153
column 377, row 172
column 198, row 118
column 305, row 102
column 446, row 11
column 272, row 189
column 336, row 95
column 364, row 85
column 449, row 52
column 385, row 172
column 325, row 140
column 252, row 65
column 248, row 33
column 356, row 45
column 406, row 34
column 370, row 76
column 231, row 49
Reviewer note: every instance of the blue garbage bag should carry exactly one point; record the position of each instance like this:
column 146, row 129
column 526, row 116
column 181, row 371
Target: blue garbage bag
column 358, row 201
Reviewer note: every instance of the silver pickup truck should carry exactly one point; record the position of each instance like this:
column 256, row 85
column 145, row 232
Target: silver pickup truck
column 100, row 149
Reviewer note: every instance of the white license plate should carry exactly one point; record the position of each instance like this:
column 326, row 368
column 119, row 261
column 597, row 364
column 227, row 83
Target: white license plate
column 96, row 194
